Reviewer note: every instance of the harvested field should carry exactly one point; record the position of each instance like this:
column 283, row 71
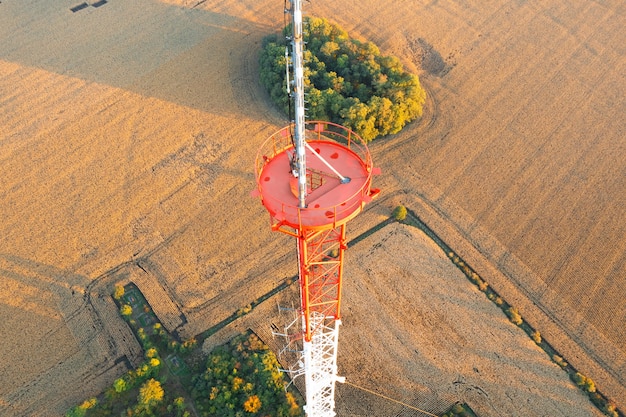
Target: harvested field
column 128, row 133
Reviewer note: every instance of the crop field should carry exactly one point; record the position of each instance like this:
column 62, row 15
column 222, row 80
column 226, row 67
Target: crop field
column 128, row 133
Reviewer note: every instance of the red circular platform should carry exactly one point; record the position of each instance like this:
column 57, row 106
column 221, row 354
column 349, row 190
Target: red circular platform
column 329, row 201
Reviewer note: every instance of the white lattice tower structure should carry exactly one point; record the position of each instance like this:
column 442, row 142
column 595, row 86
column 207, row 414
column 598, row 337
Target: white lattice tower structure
column 313, row 177
column 321, row 370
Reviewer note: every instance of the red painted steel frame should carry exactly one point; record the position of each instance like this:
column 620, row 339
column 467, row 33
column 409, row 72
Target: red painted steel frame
column 321, row 269
column 319, row 228
column 331, row 204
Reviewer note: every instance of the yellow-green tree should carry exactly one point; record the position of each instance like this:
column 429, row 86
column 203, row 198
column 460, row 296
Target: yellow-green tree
column 120, row 385
column 151, row 353
column 150, row 394
column 399, row 213
column 126, row 310
column 586, row 383
column 81, row 410
column 514, row 316
column 119, row 291
column 252, row 404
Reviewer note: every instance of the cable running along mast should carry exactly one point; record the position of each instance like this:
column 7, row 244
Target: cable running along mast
column 312, row 184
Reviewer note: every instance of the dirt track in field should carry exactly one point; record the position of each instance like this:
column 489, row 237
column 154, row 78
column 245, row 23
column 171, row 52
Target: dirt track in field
column 127, row 139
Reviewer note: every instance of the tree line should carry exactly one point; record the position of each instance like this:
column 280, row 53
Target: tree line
column 176, row 379
column 241, row 379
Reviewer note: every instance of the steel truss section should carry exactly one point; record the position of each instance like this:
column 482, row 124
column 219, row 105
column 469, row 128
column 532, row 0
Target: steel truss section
column 320, row 258
column 320, row 367
column 316, row 360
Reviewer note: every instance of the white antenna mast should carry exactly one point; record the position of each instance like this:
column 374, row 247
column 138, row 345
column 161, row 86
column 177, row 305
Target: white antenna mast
column 319, row 355
column 297, row 43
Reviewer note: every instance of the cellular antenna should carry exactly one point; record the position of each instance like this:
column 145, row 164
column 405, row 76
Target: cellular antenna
column 297, row 45
column 312, row 184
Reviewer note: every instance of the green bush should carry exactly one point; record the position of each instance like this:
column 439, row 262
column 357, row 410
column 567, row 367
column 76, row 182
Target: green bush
column 399, row 213
column 118, row 292
column 126, row 311
column 559, row 361
column 610, row 409
column 514, row 316
column 578, row 378
column 584, row 382
column 81, row 410
column 244, row 310
column 347, row 81
column 120, row 385
column 536, row 336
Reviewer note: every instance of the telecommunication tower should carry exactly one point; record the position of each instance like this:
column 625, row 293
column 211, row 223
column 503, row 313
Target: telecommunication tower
column 313, row 177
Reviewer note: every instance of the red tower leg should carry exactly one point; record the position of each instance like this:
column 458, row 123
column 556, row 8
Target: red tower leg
column 321, row 269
